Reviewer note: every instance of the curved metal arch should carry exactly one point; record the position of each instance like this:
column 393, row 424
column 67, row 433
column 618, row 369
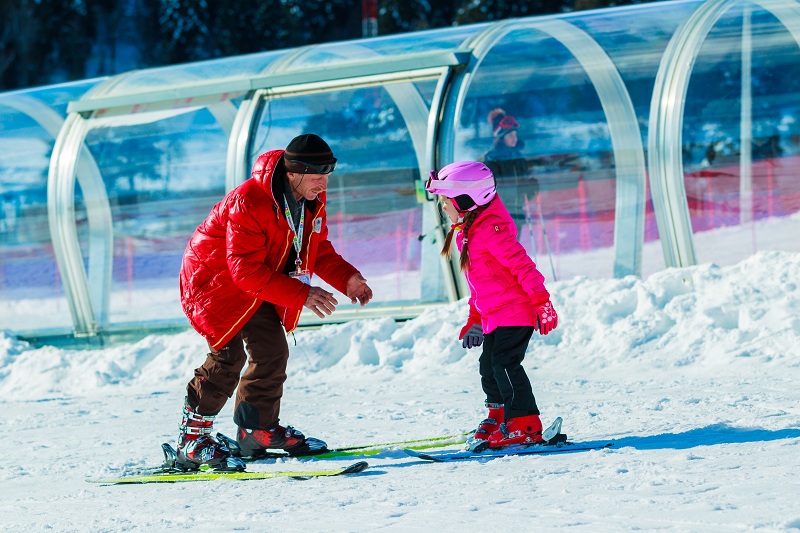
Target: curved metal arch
column 405, row 95
column 665, row 139
column 431, row 215
column 479, row 44
column 52, row 122
column 418, row 118
column 89, row 294
column 622, row 124
column 453, row 101
column 86, row 300
column 237, row 168
column 102, row 89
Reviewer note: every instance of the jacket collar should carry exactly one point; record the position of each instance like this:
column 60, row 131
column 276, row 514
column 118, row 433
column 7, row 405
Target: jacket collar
column 496, row 208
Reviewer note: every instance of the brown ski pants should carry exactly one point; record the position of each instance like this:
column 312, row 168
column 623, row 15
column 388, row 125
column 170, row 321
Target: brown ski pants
column 258, row 398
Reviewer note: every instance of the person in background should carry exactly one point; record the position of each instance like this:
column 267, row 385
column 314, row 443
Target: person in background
column 508, row 165
column 508, row 300
column 247, row 273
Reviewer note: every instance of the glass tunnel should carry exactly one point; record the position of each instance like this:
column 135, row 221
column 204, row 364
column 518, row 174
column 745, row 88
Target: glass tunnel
column 653, row 136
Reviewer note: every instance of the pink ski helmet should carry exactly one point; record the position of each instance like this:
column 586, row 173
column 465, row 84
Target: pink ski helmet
column 469, row 183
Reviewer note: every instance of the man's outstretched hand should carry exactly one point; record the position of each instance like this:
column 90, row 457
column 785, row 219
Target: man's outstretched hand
column 358, row 290
column 321, row 302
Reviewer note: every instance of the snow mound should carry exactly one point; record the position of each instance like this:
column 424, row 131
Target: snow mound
column 696, row 319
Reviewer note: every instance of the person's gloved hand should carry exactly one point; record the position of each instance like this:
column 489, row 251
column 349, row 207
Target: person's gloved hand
column 473, row 337
column 546, row 317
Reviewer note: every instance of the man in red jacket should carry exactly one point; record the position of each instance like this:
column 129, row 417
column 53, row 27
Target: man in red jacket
column 245, row 277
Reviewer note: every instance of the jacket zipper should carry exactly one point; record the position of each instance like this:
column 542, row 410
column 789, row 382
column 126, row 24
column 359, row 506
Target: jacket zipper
column 471, row 286
column 307, row 246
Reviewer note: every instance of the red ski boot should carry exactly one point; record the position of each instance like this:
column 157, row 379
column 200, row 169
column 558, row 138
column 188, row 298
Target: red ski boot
column 489, row 425
column 255, row 442
column 517, row 430
column 197, row 447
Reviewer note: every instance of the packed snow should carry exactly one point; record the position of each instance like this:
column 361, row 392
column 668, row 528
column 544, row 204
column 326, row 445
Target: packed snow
column 692, row 373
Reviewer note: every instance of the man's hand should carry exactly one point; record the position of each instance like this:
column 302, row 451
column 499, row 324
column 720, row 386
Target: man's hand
column 321, row 302
column 358, row 290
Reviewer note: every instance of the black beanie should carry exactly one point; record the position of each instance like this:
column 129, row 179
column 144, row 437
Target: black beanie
column 308, row 148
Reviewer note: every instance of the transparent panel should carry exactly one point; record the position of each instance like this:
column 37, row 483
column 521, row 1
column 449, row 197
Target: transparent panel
column 635, row 37
column 188, row 74
column 727, row 226
column 392, row 45
column 562, row 149
column 426, row 90
column 31, row 293
column 163, row 173
column 374, row 217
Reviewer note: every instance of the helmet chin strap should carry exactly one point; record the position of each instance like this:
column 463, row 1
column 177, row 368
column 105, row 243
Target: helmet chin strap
column 461, row 209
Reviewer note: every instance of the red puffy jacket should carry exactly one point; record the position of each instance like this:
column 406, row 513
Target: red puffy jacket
column 235, row 258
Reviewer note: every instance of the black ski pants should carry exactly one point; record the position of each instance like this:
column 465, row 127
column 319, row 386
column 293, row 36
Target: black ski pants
column 260, row 387
column 502, row 376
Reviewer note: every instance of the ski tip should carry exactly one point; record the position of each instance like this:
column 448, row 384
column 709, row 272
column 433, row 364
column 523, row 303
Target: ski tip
column 355, row 468
column 420, row 455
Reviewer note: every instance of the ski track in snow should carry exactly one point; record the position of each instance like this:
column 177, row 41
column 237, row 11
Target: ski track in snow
column 692, row 372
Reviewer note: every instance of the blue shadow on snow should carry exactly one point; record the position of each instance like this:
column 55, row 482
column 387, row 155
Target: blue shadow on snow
column 706, row 436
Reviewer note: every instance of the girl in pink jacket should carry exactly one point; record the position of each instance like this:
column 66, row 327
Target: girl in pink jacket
column 508, row 300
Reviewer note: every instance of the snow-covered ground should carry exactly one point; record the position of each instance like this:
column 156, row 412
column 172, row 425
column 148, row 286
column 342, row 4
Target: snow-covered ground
column 692, row 372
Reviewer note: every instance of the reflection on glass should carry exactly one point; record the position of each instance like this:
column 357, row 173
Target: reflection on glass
column 27, row 266
column 374, row 217
column 728, row 227
column 393, row 45
column 162, row 178
column 544, row 133
column 29, row 277
column 186, row 75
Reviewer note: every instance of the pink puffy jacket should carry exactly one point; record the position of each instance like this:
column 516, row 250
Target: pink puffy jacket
column 504, row 283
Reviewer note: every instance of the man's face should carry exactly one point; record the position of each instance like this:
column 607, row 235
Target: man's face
column 307, row 186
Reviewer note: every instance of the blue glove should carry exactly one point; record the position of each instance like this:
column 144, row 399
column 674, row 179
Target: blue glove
column 473, row 337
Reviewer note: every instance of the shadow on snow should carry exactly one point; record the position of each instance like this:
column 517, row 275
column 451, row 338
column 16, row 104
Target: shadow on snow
column 706, row 436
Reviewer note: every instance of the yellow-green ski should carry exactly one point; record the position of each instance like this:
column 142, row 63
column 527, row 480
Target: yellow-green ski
column 375, row 449
column 208, row 475
column 426, row 443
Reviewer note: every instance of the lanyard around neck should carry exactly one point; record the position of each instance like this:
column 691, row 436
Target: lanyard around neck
column 297, row 240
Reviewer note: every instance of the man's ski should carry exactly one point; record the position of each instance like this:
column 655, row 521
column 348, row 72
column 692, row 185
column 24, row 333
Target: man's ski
column 359, row 450
column 540, row 449
column 171, row 471
column 208, row 475
column 416, row 444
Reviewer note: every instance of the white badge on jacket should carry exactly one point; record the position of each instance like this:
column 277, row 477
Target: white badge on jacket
column 317, row 225
column 302, row 275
